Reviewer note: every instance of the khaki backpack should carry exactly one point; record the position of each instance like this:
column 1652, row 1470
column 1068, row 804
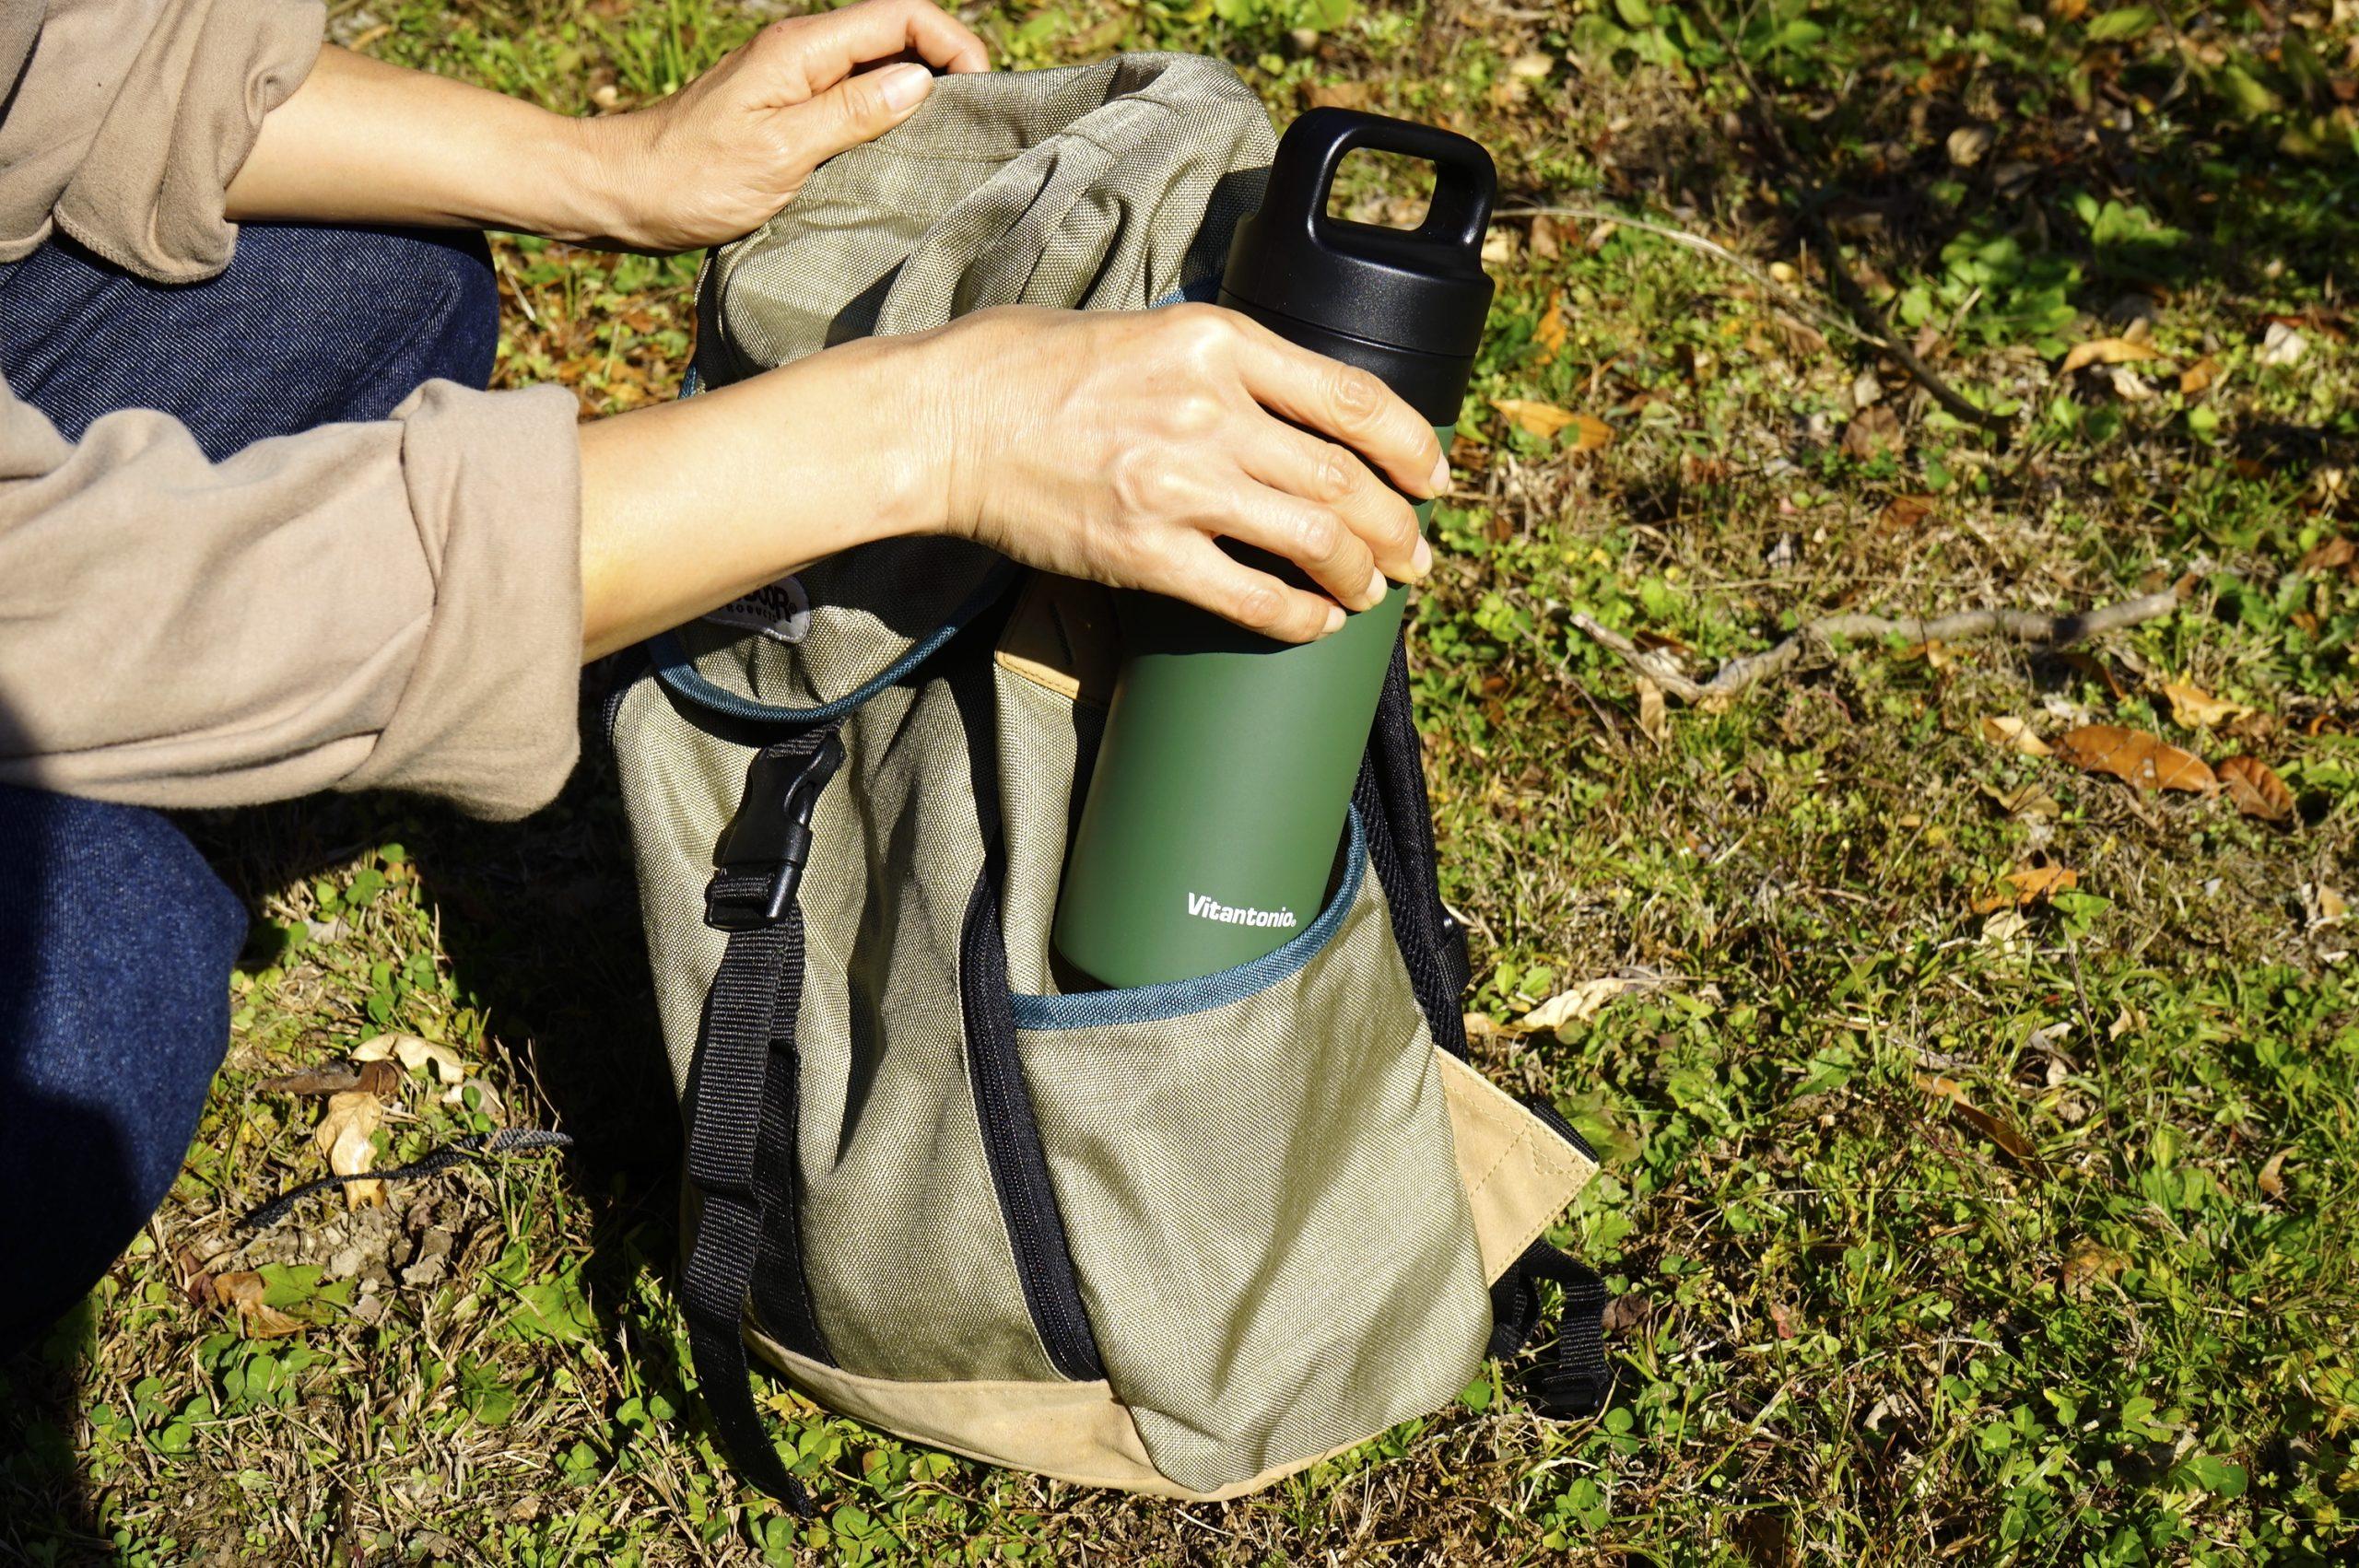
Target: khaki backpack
column 1183, row 1239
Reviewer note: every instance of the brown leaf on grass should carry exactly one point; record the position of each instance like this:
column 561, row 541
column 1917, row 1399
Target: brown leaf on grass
column 1982, row 1121
column 1577, row 1003
column 2024, row 801
column 1541, row 419
column 1904, row 511
column 1873, row 430
column 2088, row 1262
column 2272, row 1175
column 1654, row 722
column 242, row 1292
column 412, row 1053
column 2329, row 555
column 343, row 1136
column 2199, row 709
column 1590, row 433
column 1545, row 245
column 2256, row 789
column 2197, row 376
column 2139, row 759
column 2004, row 729
column 2106, row 351
column 1338, row 95
column 2030, row 883
column 1549, row 332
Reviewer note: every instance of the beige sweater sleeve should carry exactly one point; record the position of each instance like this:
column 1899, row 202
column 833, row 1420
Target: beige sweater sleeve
column 128, row 119
column 385, row 605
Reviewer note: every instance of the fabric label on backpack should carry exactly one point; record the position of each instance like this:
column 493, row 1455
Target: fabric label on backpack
column 779, row 611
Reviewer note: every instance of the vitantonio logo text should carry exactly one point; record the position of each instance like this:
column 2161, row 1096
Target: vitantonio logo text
column 1205, row 909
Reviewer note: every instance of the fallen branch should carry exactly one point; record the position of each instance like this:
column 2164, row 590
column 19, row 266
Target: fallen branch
column 1742, row 673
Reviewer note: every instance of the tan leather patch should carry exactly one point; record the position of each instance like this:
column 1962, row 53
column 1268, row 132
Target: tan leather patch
column 1519, row 1175
column 1061, row 636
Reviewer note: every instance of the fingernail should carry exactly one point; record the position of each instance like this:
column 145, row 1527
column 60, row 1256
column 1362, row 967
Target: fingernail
column 1378, row 587
column 1422, row 560
column 904, row 85
column 1334, row 621
column 1441, row 474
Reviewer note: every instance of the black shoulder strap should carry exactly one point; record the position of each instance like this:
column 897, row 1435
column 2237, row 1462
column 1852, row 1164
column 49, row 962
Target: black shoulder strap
column 741, row 1094
column 1390, row 796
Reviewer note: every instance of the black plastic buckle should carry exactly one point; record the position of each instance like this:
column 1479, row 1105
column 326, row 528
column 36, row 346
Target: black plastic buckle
column 771, row 832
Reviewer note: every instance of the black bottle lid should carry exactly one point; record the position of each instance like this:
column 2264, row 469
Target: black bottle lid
column 1419, row 289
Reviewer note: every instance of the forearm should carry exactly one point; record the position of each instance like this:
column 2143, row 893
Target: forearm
column 687, row 505
column 364, row 142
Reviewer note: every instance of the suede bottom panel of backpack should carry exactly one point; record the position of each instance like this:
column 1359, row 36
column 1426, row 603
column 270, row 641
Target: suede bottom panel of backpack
column 1518, row 1176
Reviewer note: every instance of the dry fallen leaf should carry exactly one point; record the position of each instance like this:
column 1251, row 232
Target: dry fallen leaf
column 1573, row 1006
column 2031, row 884
column 2331, row 554
column 2004, row 926
column 413, row 1053
column 2026, row 801
column 2002, row 730
column 1982, row 1121
column 2199, row 709
column 1591, row 433
column 1549, row 334
column 2272, row 1175
column 1969, row 143
column 1654, row 722
column 2087, row 1263
column 2136, row 759
column 1873, row 430
column 1904, row 511
column 2321, row 905
column 2199, row 375
column 343, row 1136
column 2256, row 789
column 243, row 1293
column 1541, row 419
column 2106, row 351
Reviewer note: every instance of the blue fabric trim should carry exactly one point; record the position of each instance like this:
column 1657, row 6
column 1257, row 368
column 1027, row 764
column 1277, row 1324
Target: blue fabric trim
column 679, row 672
column 1178, row 999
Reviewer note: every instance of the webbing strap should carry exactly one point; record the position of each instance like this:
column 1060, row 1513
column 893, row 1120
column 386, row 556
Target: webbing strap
column 741, row 1145
column 1577, row 1380
column 749, row 1016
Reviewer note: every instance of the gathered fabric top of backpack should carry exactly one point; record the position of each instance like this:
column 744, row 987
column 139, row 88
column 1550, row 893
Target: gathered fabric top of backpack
column 1183, row 1239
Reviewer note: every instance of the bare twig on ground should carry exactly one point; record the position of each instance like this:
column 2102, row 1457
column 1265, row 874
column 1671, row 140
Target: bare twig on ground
column 1738, row 674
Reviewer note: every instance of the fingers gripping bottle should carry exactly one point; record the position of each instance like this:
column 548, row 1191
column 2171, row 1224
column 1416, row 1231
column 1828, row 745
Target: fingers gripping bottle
column 1223, row 783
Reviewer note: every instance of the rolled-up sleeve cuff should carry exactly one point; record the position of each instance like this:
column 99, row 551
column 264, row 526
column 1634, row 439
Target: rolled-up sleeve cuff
column 488, row 718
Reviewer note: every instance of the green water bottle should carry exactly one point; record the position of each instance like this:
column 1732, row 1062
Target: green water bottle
column 1210, row 834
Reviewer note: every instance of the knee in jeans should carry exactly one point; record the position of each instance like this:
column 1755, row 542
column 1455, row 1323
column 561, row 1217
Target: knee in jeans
column 426, row 304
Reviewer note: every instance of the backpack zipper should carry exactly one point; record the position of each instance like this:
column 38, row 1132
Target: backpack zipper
column 1011, row 1144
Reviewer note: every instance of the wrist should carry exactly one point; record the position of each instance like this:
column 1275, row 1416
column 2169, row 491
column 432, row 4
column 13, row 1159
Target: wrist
column 896, row 383
column 586, row 161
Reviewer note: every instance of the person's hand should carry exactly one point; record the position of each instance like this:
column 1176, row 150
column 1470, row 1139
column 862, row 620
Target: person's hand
column 723, row 154
column 1119, row 445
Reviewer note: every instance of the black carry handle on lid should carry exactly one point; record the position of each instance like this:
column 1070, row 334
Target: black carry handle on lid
column 1316, row 144
column 1420, row 290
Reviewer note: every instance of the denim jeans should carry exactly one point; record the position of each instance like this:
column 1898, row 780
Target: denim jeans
column 116, row 939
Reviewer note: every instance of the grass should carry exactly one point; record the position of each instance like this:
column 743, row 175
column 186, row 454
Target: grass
column 1943, row 1228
